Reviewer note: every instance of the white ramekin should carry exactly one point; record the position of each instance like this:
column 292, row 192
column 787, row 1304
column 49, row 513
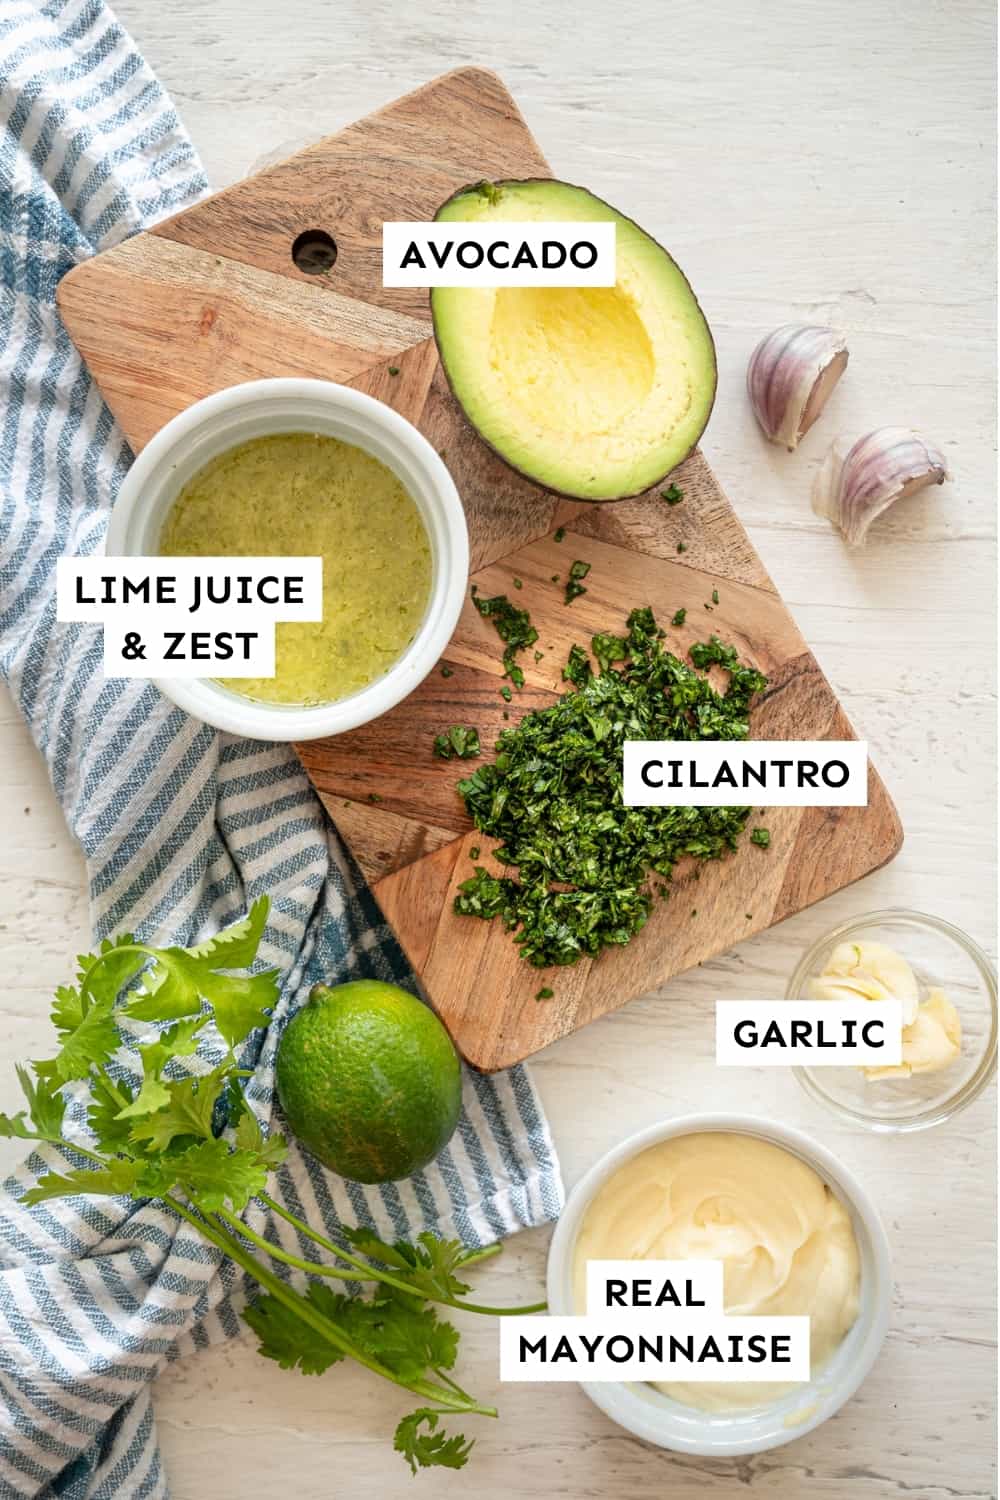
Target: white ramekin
column 659, row 1419
column 257, row 409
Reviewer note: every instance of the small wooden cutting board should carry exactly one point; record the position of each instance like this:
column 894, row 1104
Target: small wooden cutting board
column 214, row 297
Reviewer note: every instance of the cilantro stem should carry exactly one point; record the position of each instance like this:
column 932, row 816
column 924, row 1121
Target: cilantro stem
column 311, row 1315
column 312, row 1267
column 60, row 1140
column 368, row 1271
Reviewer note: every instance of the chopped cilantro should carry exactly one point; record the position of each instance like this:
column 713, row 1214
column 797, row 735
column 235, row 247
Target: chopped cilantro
column 518, row 584
column 574, row 588
column 514, row 628
column 679, row 617
column 761, row 837
column 393, row 369
column 545, row 993
column 682, row 546
column 460, row 742
column 505, row 693
column 447, row 672
column 559, row 533
column 474, row 852
column 715, row 596
column 583, row 866
column 673, row 496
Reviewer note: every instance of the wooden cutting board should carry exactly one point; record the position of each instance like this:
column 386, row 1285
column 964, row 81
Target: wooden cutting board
column 213, row 297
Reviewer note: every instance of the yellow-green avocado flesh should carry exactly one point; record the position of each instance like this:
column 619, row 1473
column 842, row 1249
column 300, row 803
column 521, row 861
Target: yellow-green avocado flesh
column 597, row 393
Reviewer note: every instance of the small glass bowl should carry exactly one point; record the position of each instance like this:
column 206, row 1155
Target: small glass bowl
column 940, row 955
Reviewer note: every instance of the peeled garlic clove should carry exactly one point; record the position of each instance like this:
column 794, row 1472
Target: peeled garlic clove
column 858, row 481
column 790, row 376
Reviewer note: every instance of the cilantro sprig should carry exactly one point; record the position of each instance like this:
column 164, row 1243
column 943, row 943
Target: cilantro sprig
column 193, row 1141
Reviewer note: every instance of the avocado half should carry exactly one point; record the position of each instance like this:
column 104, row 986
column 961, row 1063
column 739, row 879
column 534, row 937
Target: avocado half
column 593, row 392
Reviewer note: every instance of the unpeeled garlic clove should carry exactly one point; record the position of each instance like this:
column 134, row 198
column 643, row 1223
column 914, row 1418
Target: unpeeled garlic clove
column 790, row 376
column 858, row 481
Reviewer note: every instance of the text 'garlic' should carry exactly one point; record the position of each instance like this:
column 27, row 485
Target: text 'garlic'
column 859, row 480
column 790, row 376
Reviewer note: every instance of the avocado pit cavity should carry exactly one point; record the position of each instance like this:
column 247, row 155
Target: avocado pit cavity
column 572, row 358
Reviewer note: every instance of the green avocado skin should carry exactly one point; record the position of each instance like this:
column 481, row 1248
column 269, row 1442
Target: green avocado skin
column 369, row 1080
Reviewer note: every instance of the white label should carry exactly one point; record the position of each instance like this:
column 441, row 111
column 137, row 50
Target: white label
column 651, row 1346
column 220, row 644
column 416, row 253
column 189, row 616
column 808, row 1033
column 90, row 590
column 660, row 1285
column 746, row 773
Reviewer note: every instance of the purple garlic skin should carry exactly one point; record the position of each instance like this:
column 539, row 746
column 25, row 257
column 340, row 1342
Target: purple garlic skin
column 859, row 480
column 790, row 377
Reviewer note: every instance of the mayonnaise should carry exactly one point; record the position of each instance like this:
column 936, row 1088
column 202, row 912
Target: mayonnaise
column 932, row 1030
column 785, row 1240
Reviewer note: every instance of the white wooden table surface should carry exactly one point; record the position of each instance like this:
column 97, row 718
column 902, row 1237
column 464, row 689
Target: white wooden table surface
column 825, row 159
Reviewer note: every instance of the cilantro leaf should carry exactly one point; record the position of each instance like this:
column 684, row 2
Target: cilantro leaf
column 117, row 1179
column 169, row 989
column 113, row 1134
column 177, row 1041
column 459, row 741
column 240, row 1002
column 429, row 1266
column 287, row 1339
column 188, row 1110
column 235, row 947
column 84, row 1016
column 46, row 1105
column 425, row 1449
column 211, row 1175
column 181, row 978
column 396, row 1329
column 271, row 1149
column 68, row 1009
column 115, row 964
column 392, row 1328
column 90, row 1044
column 180, row 982
column 15, row 1127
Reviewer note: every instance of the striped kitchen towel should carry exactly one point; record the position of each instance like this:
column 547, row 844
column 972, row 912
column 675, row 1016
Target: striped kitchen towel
column 181, row 827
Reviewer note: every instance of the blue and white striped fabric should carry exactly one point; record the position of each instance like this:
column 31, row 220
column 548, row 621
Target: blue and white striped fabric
column 182, row 827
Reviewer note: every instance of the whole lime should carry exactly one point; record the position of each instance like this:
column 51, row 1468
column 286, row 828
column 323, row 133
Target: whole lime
column 369, row 1080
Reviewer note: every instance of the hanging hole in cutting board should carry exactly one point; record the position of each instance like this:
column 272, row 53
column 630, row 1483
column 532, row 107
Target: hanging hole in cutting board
column 314, row 252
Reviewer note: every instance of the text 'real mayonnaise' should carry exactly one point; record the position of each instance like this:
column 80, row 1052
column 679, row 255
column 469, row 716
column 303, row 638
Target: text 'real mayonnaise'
column 785, row 1240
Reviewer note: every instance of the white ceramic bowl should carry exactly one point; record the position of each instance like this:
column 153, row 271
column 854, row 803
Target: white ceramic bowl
column 658, row 1418
column 257, row 409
